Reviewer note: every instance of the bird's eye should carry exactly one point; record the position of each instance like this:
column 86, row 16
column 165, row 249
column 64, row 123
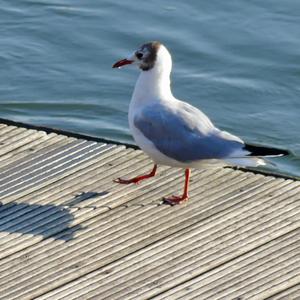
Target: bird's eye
column 139, row 55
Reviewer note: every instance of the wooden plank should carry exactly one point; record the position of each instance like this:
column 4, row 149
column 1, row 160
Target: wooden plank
column 35, row 160
column 188, row 256
column 236, row 279
column 45, row 170
column 98, row 247
column 43, row 143
column 289, row 293
column 8, row 131
column 102, row 272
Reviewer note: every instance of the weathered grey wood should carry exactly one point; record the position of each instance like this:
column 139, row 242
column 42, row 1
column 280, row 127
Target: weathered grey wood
column 167, row 271
column 29, row 177
column 110, row 217
column 236, row 278
column 8, row 131
column 93, row 243
column 45, row 142
column 22, row 166
column 39, row 191
column 20, row 141
column 288, row 293
column 68, row 232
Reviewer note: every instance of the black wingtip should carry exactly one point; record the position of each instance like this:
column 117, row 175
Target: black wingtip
column 265, row 151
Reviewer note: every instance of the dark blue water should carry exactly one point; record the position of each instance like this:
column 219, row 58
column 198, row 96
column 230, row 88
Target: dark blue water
column 239, row 61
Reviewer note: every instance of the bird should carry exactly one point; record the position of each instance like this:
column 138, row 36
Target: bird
column 175, row 133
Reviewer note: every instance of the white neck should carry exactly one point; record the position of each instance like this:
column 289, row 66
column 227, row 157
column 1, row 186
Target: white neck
column 154, row 84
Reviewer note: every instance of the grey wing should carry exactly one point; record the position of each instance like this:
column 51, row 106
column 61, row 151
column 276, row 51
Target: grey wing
column 186, row 134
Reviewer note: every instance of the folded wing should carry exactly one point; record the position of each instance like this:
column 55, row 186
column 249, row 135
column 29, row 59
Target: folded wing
column 185, row 134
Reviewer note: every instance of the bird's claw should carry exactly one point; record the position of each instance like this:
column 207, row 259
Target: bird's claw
column 173, row 200
column 126, row 181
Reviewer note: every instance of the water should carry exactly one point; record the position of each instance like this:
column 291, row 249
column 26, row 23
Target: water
column 238, row 61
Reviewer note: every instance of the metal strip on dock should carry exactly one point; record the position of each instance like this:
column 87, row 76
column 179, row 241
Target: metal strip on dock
column 67, row 231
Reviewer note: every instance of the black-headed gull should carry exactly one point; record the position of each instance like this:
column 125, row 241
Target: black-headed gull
column 173, row 132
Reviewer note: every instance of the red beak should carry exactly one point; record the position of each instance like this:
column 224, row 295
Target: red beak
column 122, row 62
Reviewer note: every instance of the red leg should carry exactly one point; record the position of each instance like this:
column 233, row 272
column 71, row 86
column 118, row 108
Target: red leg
column 137, row 179
column 180, row 199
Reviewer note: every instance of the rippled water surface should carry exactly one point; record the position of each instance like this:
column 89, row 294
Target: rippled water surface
column 239, row 61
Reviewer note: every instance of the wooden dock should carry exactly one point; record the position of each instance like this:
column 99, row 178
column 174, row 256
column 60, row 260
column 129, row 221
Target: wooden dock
column 68, row 232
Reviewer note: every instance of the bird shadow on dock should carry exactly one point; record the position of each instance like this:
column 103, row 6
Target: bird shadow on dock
column 49, row 220
column 44, row 220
